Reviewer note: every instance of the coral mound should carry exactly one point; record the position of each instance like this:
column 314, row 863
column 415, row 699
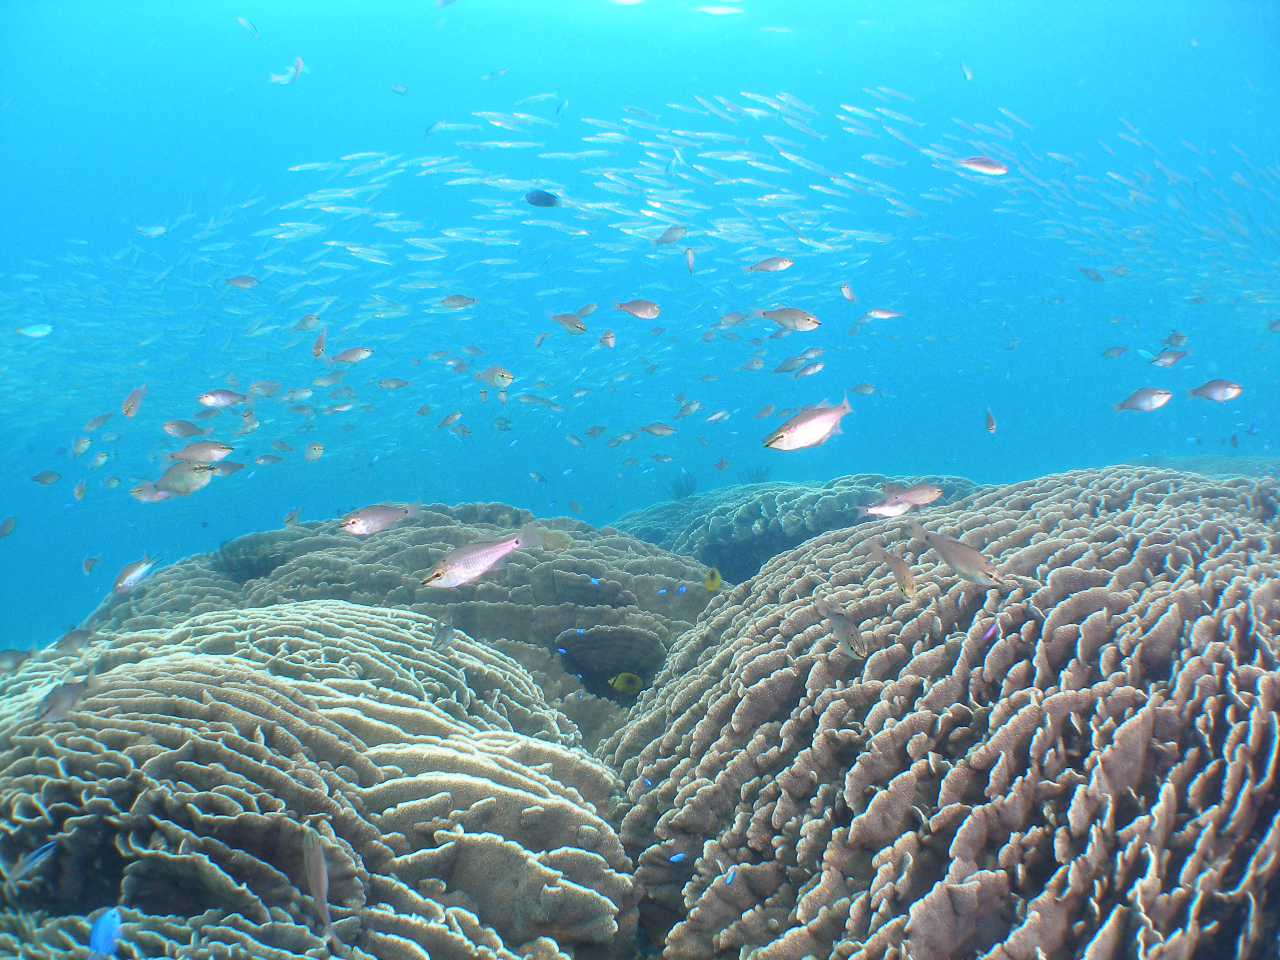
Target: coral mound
column 737, row 529
column 1077, row 761
column 585, row 579
column 459, row 818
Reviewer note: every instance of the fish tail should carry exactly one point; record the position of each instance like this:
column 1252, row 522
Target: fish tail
column 862, row 512
column 616, row 305
column 1118, row 407
column 332, row 934
column 530, row 535
column 755, row 313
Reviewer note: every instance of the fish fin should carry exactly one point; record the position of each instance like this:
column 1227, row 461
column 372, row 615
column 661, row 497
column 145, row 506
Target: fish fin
column 892, row 488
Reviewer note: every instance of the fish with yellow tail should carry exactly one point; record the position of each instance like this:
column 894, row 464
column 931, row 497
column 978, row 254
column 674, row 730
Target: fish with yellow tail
column 811, row 428
column 966, row 562
column 473, row 561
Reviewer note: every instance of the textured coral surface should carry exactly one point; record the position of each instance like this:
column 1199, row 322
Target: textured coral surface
column 738, row 528
column 459, row 818
column 1077, row 761
column 586, row 578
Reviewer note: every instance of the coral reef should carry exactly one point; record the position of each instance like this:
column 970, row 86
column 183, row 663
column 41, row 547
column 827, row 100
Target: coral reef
column 1079, row 762
column 738, row 528
column 458, row 817
column 587, row 578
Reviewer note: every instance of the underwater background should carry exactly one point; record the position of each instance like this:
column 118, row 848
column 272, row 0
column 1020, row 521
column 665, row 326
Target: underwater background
column 600, row 480
column 121, row 117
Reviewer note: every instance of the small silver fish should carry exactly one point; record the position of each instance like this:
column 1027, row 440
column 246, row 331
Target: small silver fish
column 317, row 872
column 476, row 559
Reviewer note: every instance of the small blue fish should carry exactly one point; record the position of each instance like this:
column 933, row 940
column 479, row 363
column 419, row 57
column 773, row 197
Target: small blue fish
column 104, row 934
column 29, row 863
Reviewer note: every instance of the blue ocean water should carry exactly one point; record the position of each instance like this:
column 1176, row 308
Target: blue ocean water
column 1141, row 143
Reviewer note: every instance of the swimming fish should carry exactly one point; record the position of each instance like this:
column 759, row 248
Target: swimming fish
column 133, row 401
column 292, row 516
column 571, row 322
column 991, row 421
column 134, row 573
column 984, row 165
column 898, row 567
column 202, row 451
column 712, row 581
column 843, row 628
column 1167, row 358
column 540, row 198
column 73, row 641
column 288, row 76
column 627, row 684
column 670, row 235
column 1145, row 400
column 642, row 309
column 60, row 701
column 246, row 282
column 464, row 564
column 1112, row 352
column 1219, row 390
column 769, row 265
column 688, row 260
column 7, row 526
column 105, row 932
column 374, row 519
column 809, row 429
column 443, row 635
column 220, row 398
column 313, row 452
column 351, row 355
column 898, row 500
column 11, row 660
column 253, row 32
column 496, row 376
column 789, row 318
column 317, row 872
column 27, row 863
column 966, row 562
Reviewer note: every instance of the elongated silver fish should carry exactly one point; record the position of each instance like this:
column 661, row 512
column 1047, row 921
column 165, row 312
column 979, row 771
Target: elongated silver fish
column 476, row 559
column 317, row 872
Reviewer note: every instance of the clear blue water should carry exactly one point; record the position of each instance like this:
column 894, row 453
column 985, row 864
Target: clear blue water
column 120, row 116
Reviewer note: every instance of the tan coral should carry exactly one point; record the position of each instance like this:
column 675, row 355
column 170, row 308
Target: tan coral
column 1097, row 737
column 183, row 781
column 738, row 528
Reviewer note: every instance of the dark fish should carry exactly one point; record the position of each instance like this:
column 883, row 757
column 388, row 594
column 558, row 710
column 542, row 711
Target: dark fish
column 73, row 641
column 27, row 864
column 318, row 879
column 540, row 198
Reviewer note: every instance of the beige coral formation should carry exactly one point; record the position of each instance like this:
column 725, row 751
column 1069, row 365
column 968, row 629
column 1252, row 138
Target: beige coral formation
column 738, row 528
column 585, row 579
column 459, row 817
column 1076, row 762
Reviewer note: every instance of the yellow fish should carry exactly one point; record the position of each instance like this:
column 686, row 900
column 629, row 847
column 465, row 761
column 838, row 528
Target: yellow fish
column 712, row 581
column 627, row 683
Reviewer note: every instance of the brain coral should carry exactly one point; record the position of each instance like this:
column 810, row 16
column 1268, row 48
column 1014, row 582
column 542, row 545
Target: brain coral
column 589, row 578
column 1079, row 763
column 737, row 529
column 459, row 818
